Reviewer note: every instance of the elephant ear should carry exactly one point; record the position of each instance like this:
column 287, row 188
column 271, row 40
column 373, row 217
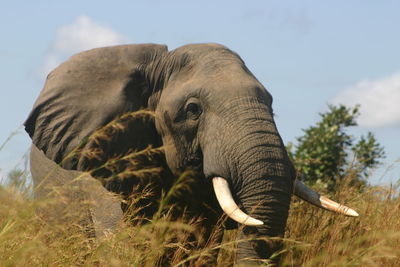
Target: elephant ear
column 86, row 93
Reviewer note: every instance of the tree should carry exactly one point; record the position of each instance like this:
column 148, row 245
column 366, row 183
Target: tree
column 326, row 152
column 17, row 178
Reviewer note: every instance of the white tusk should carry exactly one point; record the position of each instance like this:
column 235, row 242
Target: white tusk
column 228, row 205
column 309, row 195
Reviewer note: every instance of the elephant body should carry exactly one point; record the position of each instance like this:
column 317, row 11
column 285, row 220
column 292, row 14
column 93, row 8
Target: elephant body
column 101, row 210
column 198, row 102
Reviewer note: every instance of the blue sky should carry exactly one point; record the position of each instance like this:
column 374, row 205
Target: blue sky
column 306, row 53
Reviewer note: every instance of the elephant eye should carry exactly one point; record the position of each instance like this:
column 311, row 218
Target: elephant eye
column 193, row 110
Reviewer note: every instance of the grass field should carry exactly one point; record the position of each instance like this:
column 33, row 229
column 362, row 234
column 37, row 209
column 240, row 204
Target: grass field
column 314, row 237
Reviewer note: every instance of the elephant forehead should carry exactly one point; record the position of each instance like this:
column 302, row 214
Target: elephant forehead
column 215, row 74
column 214, row 90
column 232, row 84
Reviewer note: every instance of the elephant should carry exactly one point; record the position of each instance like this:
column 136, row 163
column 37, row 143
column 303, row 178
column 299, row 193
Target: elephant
column 202, row 106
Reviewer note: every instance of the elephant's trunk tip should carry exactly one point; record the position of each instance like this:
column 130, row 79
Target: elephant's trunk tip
column 228, row 205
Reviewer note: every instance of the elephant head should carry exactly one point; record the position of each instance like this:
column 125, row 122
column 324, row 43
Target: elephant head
column 211, row 114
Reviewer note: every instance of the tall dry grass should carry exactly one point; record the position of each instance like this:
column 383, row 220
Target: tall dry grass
column 27, row 238
column 314, row 237
column 319, row 238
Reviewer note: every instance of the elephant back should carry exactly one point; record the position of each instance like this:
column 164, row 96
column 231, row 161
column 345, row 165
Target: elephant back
column 85, row 93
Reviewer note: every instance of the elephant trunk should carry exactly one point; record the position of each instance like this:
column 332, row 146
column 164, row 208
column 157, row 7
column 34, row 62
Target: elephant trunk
column 265, row 195
column 255, row 163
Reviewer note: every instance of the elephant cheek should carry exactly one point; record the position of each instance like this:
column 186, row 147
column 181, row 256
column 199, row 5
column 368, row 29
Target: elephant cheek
column 172, row 157
column 215, row 165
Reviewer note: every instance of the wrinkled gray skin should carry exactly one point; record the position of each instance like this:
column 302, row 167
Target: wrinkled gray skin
column 212, row 115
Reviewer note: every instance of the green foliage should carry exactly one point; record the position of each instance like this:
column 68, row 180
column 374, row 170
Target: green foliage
column 368, row 152
column 17, row 178
column 326, row 152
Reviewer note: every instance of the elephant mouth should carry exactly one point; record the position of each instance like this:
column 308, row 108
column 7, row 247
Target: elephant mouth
column 229, row 206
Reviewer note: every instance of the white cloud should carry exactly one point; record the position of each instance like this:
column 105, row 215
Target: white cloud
column 82, row 34
column 379, row 100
